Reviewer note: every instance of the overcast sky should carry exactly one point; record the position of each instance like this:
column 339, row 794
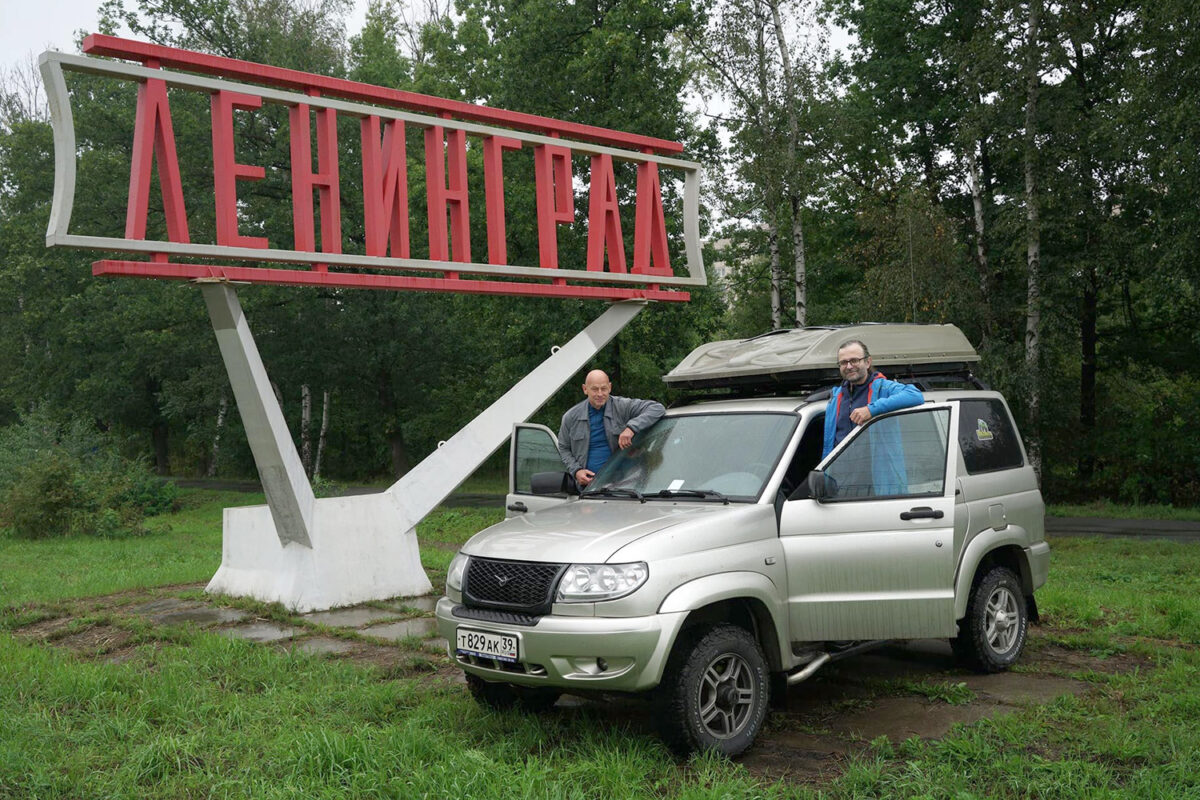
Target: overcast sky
column 31, row 26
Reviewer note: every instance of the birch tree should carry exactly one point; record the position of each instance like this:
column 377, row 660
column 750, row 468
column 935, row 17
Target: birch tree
column 1033, row 244
column 773, row 91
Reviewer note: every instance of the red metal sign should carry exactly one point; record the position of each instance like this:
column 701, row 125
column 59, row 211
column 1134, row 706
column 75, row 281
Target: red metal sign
column 386, row 251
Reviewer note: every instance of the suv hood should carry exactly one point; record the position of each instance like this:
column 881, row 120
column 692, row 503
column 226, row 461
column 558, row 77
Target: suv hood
column 583, row 531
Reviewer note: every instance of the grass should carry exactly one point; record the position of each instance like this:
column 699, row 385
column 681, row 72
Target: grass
column 1124, row 587
column 192, row 714
column 183, row 547
column 955, row 693
column 485, row 482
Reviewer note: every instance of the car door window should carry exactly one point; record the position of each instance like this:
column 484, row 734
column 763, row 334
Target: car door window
column 535, row 450
column 901, row 455
column 987, row 437
column 807, row 456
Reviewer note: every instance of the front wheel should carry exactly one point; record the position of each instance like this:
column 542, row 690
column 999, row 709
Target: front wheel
column 992, row 634
column 715, row 692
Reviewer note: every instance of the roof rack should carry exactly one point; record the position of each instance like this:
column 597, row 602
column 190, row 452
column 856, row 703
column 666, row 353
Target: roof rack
column 804, row 359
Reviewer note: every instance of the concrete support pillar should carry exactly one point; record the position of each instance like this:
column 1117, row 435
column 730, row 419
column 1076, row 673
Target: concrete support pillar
column 289, row 494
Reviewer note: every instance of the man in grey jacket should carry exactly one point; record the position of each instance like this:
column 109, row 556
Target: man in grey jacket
column 594, row 429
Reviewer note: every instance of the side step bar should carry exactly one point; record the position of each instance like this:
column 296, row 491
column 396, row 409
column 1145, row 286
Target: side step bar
column 809, row 669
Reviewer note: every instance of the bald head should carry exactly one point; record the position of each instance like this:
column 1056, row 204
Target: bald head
column 597, row 388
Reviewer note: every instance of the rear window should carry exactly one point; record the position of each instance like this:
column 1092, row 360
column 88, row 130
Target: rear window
column 987, row 437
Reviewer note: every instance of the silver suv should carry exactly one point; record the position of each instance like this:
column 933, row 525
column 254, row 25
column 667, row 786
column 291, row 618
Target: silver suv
column 721, row 557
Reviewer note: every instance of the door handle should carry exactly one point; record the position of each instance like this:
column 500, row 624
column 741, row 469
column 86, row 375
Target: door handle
column 519, row 506
column 922, row 512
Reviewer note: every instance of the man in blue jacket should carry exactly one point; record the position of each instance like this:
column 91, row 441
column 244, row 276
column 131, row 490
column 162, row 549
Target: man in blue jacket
column 594, row 429
column 863, row 394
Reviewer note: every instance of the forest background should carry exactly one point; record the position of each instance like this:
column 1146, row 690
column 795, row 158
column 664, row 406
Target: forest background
column 1028, row 171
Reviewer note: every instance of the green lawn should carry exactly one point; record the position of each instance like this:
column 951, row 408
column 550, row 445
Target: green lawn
column 193, row 714
column 183, row 547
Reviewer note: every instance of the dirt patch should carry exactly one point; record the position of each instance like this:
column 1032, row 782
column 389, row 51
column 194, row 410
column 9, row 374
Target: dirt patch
column 67, row 626
column 393, row 662
column 902, row 691
column 96, row 641
column 1054, row 658
column 47, row 630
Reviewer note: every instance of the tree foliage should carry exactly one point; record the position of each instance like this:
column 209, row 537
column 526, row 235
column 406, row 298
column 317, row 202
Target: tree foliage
column 892, row 178
column 942, row 95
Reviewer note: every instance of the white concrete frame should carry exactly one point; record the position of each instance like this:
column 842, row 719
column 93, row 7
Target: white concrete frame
column 313, row 553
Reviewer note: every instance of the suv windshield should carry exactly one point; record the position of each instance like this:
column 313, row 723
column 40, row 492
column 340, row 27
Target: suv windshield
column 720, row 457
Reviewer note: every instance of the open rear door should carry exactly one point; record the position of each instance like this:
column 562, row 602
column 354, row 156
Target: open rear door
column 532, row 449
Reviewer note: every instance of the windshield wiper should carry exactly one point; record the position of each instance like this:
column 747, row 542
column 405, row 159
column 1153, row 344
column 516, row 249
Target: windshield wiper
column 614, row 492
column 713, row 493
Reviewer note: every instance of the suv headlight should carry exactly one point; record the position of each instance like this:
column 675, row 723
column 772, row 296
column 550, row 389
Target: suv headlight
column 454, row 575
column 589, row 583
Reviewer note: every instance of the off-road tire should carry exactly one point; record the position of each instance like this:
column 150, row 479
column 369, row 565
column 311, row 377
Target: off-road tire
column 715, row 692
column 503, row 696
column 992, row 634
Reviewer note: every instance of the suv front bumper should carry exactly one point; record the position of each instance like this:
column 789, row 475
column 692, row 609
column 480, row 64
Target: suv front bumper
column 625, row 654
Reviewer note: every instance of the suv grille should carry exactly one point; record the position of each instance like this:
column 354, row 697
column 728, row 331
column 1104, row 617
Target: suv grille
column 515, row 585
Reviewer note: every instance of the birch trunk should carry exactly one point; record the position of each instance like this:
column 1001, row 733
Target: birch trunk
column 305, row 420
column 790, row 176
column 321, row 436
column 27, row 343
column 776, row 276
column 981, row 258
column 1033, row 314
column 222, row 408
column 801, row 275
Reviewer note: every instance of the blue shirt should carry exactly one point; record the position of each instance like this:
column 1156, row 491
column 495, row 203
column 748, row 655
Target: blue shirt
column 598, row 449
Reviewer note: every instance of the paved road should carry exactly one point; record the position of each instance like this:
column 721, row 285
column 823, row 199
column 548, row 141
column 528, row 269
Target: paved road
column 1175, row 530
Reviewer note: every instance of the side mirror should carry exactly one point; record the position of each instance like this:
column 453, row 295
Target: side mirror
column 817, row 485
column 550, row 483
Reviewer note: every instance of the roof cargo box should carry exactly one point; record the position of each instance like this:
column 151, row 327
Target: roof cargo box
column 805, row 358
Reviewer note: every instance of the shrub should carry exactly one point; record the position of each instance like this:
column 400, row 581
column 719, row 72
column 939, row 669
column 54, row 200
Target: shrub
column 62, row 479
column 41, row 498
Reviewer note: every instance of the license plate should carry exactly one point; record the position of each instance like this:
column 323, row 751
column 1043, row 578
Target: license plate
column 500, row 646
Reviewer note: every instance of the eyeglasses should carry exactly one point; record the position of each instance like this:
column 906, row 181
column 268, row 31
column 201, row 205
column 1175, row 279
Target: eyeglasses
column 851, row 362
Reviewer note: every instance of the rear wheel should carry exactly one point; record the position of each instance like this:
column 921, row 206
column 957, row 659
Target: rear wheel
column 992, row 634
column 715, row 692
column 501, row 696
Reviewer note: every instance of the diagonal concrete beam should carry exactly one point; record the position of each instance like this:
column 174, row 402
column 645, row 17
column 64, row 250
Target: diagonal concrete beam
column 431, row 481
column 289, row 494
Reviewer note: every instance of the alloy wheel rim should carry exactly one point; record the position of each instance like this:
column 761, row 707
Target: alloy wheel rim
column 1002, row 620
column 727, row 696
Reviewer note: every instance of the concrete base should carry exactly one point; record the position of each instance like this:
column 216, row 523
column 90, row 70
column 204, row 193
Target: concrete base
column 360, row 551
